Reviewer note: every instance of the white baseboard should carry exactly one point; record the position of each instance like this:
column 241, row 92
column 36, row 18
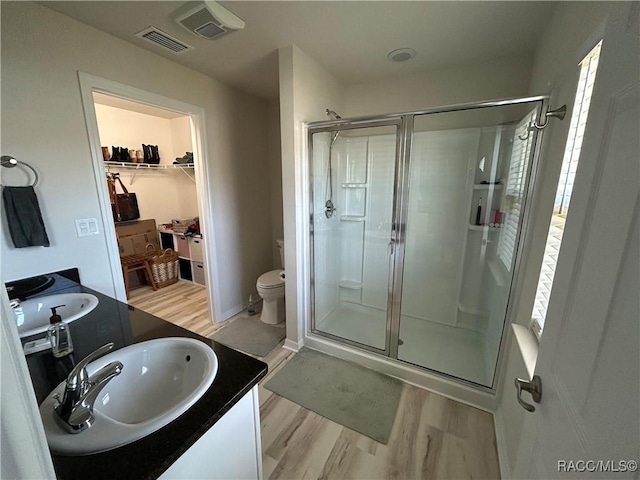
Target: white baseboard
column 501, row 445
column 227, row 314
column 292, row 345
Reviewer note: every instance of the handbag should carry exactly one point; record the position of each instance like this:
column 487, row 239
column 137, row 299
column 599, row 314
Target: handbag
column 123, row 205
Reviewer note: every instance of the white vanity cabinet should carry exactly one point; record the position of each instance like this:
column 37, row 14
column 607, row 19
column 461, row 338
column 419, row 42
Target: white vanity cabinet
column 231, row 449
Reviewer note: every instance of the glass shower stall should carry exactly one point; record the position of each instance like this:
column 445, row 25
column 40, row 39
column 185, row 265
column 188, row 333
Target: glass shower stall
column 415, row 224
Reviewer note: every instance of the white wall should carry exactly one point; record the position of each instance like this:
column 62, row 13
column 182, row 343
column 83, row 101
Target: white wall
column 43, row 124
column 572, row 32
column 125, row 128
column 275, row 178
column 180, row 138
column 306, row 90
column 500, row 78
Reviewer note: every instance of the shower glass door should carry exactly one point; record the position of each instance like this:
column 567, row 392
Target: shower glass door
column 467, row 182
column 352, row 212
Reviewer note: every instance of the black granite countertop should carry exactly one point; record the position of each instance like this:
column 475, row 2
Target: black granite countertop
column 147, row 458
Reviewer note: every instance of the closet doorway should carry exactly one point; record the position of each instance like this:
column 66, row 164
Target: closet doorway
column 151, row 175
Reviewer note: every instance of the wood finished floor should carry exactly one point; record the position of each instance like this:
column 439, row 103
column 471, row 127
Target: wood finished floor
column 183, row 303
column 432, row 437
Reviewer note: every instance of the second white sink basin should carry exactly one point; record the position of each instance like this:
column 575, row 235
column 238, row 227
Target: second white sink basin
column 160, row 380
column 32, row 316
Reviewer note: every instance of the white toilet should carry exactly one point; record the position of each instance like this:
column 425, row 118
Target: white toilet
column 270, row 287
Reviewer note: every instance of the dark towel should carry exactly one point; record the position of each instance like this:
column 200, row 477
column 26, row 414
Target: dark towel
column 24, row 218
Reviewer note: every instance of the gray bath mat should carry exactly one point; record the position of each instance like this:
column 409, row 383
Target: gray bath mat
column 250, row 335
column 344, row 392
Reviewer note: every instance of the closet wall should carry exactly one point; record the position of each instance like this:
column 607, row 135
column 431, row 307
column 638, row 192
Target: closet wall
column 162, row 194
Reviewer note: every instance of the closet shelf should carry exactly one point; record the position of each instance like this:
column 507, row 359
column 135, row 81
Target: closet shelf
column 350, row 285
column 150, row 166
column 137, row 167
column 486, row 186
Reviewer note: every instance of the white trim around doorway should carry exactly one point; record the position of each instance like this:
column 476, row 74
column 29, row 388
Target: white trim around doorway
column 90, row 84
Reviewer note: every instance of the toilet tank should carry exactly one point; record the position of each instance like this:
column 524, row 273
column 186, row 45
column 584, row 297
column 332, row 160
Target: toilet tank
column 280, row 245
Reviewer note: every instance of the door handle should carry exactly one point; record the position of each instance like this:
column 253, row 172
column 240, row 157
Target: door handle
column 391, row 247
column 534, row 387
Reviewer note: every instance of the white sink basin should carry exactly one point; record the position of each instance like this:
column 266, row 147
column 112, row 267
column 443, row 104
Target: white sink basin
column 32, row 316
column 160, row 380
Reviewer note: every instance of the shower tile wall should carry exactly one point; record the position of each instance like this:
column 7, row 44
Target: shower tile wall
column 352, row 211
column 439, row 188
column 375, row 286
column 444, row 163
column 326, row 258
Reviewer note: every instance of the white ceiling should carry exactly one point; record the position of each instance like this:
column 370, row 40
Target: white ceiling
column 349, row 38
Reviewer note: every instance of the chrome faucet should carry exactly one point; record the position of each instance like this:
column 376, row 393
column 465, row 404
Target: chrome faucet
column 75, row 412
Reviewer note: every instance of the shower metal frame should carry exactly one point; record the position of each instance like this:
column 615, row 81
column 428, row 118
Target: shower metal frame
column 404, row 123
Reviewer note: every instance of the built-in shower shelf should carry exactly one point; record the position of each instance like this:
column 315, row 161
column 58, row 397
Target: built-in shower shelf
column 351, row 285
column 354, row 185
column 352, row 218
column 486, row 186
column 483, row 228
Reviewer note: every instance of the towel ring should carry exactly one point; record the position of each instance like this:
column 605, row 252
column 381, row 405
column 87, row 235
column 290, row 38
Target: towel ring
column 10, row 162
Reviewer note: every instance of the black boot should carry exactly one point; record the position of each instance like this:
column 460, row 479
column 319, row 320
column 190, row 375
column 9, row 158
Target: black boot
column 115, row 156
column 124, row 154
column 156, row 154
column 146, row 150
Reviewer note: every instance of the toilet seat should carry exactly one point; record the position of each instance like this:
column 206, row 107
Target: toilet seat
column 272, row 279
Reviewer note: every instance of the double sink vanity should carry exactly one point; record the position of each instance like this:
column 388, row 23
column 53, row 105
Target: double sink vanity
column 139, row 397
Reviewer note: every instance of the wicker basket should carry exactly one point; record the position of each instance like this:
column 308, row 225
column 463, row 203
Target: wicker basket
column 182, row 225
column 164, row 268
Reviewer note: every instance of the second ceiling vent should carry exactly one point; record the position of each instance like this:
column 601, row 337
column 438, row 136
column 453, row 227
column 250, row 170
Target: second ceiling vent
column 209, row 20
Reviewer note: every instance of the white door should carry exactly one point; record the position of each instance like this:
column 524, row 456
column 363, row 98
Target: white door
column 589, row 360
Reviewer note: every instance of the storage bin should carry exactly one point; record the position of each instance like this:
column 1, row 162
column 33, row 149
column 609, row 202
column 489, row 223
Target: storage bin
column 195, row 245
column 198, row 272
column 182, row 244
column 182, row 224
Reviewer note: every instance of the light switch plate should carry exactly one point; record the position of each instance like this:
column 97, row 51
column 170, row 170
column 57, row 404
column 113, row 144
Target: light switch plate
column 86, row 227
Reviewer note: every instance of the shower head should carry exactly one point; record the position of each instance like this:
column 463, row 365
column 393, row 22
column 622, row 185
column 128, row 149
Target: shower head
column 332, row 114
column 335, row 137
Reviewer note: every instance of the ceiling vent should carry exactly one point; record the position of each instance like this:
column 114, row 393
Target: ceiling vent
column 164, row 40
column 208, row 20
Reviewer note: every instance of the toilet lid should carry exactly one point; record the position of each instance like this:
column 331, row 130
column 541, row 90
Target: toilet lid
column 271, row 279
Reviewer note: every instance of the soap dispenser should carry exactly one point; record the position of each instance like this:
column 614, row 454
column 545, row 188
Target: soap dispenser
column 59, row 335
